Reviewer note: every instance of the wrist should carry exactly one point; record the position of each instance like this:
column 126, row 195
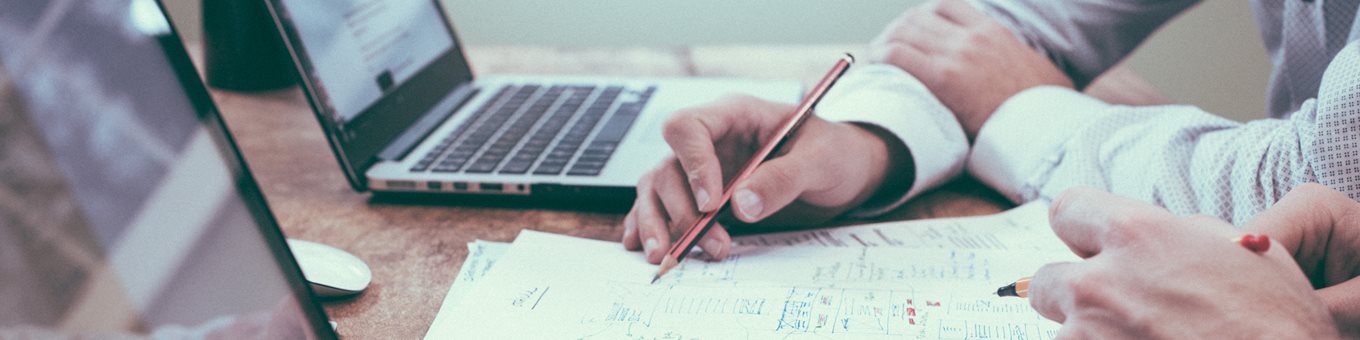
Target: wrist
column 890, row 167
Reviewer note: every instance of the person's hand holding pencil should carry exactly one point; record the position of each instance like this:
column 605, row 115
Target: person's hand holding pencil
column 825, row 169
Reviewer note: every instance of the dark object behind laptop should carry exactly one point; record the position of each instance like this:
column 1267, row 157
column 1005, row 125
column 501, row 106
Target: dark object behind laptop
column 241, row 49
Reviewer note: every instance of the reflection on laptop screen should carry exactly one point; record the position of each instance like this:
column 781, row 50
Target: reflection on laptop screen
column 380, row 45
column 119, row 213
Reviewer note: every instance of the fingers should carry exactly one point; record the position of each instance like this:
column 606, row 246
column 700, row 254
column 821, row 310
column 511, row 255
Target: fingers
column 692, row 142
column 929, row 32
column 910, row 43
column 680, row 210
column 1088, row 220
column 907, row 57
column 1302, row 221
column 1049, row 290
column 668, row 182
column 931, row 28
column 630, row 233
column 960, row 12
column 671, row 196
column 692, row 134
column 652, row 227
column 717, row 243
column 773, row 185
column 663, row 205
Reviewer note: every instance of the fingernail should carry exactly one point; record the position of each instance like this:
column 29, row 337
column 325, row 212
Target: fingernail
column 711, row 247
column 649, row 246
column 629, row 227
column 748, row 203
column 701, row 198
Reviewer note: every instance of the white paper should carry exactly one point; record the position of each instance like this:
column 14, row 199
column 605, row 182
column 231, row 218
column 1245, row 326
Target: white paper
column 1022, row 228
column 481, row 256
column 553, row 286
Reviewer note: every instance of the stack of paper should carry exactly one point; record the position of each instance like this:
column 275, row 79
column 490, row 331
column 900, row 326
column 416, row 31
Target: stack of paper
column 920, row 279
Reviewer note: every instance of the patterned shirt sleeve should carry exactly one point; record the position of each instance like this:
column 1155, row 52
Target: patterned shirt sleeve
column 1179, row 157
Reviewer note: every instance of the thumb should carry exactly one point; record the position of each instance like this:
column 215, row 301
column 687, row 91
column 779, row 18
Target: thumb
column 772, row 186
column 693, row 136
column 1302, row 222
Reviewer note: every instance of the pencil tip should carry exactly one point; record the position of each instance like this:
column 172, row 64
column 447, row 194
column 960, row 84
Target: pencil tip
column 1007, row 290
column 666, row 265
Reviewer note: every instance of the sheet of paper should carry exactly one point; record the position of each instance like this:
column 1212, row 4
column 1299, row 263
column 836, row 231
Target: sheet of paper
column 1022, row 228
column 481, row 256
column 564, row 287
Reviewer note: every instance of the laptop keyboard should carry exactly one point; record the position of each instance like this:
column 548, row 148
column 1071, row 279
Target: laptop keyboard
column 571, row 129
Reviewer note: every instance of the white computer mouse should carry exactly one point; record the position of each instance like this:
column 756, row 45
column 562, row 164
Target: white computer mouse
column 331, row 271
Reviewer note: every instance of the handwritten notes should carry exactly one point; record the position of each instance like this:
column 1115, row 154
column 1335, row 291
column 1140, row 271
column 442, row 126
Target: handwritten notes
column 482, row 255
column 1023, row 228
column 921, row 279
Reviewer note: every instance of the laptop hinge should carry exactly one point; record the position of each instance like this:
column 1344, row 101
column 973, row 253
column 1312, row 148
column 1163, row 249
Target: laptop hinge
column 423, row 127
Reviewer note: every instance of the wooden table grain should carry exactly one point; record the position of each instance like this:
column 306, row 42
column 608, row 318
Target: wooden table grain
column 415, row 250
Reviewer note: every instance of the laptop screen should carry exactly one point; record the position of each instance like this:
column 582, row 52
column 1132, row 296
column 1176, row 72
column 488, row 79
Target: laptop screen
column 124, row 209
column 371, row 69
column 361, row 49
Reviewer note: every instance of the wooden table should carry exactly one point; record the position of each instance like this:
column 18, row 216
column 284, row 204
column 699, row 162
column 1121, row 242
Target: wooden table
column 415, row 250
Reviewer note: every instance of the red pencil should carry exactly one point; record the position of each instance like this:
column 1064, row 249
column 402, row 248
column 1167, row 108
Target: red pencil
column 700, row 227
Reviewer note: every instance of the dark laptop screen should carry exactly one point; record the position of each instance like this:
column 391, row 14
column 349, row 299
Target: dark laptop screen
column 123, row 207
column 361, row 49
column 370, row 69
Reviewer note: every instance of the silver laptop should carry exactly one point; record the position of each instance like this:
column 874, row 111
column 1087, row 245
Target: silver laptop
column 392, row 89
column 125, row 210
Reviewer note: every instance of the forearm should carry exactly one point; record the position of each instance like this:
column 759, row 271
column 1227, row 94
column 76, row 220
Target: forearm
column 1178, row 157
column 1190, row 161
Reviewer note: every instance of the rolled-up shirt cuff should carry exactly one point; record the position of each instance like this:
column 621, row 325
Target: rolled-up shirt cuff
column 891, row 99
column 1025, row 137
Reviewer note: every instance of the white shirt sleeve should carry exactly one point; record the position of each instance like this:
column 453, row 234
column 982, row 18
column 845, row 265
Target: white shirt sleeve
column 1025, row 136
column 1046, row 140
column 891, row 99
